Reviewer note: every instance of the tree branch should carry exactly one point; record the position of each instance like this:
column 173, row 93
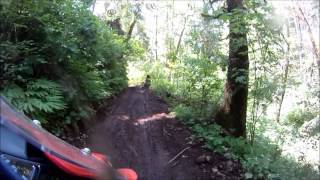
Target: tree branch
column 131, row 29
column 211, row 16
column 176, row 156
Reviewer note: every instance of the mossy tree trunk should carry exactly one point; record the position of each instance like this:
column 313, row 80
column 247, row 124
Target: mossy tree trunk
column 232, row 114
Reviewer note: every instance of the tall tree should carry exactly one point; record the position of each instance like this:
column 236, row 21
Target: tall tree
column 131, row 27
column 316, row 52
column 180, row 37
column 285, row 75
column 232, row 114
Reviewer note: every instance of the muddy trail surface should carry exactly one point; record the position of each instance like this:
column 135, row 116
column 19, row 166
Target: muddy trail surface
column 138, row 132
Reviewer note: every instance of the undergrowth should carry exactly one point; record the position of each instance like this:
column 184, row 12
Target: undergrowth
column 262, row 159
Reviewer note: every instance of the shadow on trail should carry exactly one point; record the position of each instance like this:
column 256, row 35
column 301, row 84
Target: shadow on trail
column 140, row 134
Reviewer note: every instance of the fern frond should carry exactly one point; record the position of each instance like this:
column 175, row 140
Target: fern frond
column 40, row 96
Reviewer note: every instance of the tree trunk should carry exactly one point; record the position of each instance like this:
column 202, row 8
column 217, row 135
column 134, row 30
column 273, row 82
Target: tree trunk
column 180, row 37
column 129, row 34
column 285, row 76
column 316, row 52
column 232, row 114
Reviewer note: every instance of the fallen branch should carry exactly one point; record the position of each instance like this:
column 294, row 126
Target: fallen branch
column 176, row 156
column 166, row 132
column 174, row 164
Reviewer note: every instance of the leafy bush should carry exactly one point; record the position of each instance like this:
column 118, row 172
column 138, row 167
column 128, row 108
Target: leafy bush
column 261, row 160
column 184, row 112
column 38, row 97
column 191, row 82
column 159, row 79
column 298, row 116
column 59, row 61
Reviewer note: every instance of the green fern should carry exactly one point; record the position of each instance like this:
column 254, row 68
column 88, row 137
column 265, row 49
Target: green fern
column 39, row 96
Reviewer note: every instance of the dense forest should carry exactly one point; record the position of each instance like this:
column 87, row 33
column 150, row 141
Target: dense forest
column 242, row 75
column 59, row 61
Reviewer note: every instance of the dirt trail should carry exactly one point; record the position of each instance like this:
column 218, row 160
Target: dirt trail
column 139, row 133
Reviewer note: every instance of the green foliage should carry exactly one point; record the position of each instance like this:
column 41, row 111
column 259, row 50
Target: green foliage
column 159, row 78
column 184, row 112
column 262, row 160
column 136, row 50
column 297, row 117
column 59, row 61
column 38, row 97
column 193, row 82
column 135, row 73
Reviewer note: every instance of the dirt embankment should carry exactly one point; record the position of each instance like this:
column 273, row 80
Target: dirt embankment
column 139, row 133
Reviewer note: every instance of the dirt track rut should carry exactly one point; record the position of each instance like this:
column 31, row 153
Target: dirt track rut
column 139, row 133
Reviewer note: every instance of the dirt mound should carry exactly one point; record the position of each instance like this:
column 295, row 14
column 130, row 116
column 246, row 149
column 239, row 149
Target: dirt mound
column 140, row 134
